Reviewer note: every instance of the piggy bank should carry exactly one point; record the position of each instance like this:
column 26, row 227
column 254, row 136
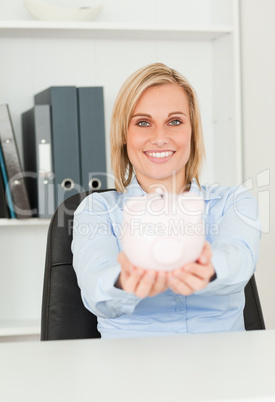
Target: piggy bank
column 163, row 231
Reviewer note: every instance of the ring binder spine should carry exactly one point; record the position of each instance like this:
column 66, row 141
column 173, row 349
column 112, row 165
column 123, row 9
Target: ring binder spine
column 15, row 174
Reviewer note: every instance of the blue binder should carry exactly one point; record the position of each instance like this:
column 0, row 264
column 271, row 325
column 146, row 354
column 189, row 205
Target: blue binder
column 6, row 207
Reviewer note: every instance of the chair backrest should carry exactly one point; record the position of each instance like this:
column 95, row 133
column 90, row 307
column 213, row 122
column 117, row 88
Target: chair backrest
column 63, row 313
column 253, row 315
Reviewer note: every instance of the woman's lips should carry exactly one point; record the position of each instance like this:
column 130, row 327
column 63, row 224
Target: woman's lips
column 159, row 156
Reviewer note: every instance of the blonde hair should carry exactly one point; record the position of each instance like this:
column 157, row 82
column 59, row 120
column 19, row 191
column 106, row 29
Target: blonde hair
column 127, row 98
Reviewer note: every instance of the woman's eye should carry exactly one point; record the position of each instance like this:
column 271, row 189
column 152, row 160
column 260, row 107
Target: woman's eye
column 175, row 122
column 143, row 123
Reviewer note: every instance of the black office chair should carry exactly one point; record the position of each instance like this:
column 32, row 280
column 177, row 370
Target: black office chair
column 63, row 313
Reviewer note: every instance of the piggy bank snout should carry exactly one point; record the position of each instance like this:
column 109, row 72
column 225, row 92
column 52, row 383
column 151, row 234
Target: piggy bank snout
column 166, row 251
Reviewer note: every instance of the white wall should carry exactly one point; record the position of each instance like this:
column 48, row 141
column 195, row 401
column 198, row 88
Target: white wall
column 258, row 80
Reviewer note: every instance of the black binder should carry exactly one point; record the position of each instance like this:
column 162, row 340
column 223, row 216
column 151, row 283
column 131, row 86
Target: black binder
column 37, row 147
column 65, row 139
column 92, row 138
column 15, row 175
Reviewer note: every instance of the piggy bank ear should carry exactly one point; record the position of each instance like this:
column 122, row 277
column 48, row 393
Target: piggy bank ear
column 160, row 191
column 192, row 204
column 135, row 206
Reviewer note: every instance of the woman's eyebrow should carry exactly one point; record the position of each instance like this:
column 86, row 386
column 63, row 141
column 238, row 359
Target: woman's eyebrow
column 148, row 115
column 178, row 112
column 141, row 115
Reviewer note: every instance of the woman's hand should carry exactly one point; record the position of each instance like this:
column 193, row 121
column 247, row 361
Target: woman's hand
column 141, row 282
column 192, row 276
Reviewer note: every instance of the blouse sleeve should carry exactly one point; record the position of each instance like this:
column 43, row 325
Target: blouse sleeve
column 95, row 248
column 235, row 242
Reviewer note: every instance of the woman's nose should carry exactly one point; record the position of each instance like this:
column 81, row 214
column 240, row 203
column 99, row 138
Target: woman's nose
column 159, row 137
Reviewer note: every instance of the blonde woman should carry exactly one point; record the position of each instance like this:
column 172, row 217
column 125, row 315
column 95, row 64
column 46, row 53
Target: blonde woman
column 156, row 141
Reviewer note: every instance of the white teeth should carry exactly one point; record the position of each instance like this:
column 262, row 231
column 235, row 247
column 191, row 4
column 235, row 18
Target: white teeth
column 160, row 154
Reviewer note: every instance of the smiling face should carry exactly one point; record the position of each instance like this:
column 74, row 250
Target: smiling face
column 159, row 138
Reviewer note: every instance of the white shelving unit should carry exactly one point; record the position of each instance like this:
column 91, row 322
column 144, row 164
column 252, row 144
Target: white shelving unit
column 24, row 222
column 200, row 38
column 112, row 30
column 18, row 330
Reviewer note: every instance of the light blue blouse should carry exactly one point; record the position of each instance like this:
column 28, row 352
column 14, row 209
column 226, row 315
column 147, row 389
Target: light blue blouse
column 233, row 230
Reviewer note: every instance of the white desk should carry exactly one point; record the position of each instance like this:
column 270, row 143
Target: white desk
column 207, row 367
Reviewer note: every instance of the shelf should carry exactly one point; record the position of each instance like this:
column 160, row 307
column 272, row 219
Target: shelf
column 110, row 30
column 24, row 222
column 20, row 327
